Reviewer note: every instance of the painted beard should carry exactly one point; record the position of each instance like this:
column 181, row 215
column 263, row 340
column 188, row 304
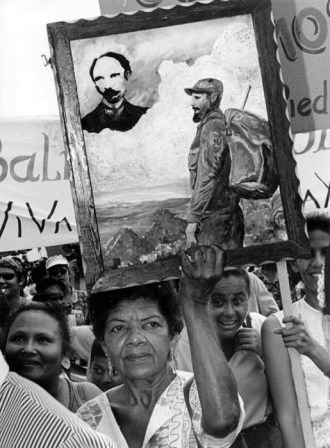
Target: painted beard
column 197, row 115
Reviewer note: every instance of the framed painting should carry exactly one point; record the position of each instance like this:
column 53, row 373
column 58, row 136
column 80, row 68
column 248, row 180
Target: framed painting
column 176, row 127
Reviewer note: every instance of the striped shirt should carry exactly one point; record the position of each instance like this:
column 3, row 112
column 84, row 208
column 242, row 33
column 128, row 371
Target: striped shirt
column 31, row 418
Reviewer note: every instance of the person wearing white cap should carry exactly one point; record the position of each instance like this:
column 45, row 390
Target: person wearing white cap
column 75, row 303
column 58, row 268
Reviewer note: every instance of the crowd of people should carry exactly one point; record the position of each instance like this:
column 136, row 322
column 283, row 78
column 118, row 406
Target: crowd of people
column 202, row 362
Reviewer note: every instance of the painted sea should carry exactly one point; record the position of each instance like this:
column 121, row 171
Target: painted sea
column 134, row 208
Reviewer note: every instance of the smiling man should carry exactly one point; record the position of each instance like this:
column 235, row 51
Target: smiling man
column 110, row 73
column 239, row 336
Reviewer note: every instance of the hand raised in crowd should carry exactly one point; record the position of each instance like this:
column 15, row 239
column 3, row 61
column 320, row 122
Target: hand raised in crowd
column 201, row 271
column 297, row 336
column 249, row 339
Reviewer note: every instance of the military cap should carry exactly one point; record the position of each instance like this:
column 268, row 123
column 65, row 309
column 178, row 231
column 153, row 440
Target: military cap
column 207, row 85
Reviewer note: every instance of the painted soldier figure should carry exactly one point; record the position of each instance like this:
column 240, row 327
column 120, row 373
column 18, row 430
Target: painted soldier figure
column 110, row 74
column 231, row 157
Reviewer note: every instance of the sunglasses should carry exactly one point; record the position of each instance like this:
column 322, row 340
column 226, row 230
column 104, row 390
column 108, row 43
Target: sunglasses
column 58, row 271
column 7, row 276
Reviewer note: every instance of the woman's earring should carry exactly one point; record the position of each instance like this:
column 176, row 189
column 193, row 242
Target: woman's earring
column 172, row 360
column 110, row 367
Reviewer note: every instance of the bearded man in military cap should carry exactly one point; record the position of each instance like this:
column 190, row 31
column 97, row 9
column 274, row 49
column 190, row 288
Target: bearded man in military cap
column 214, row 216
column 231, row 157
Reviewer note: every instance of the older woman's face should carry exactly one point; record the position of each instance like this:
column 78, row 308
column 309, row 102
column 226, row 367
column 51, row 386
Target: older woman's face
column 137, row 339
column 229, row 305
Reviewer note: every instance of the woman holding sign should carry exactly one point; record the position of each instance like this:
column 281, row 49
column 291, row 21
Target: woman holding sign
column 308, row 335
column 155, row 405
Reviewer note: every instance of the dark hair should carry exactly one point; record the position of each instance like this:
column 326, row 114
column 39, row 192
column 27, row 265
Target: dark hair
column 238, row 273
column 54, row 311
column 216, row 103
column 48, row 282
column 102, row 303
column 4, row 313
column 38, row 272
column 119, row 57
column 318, row 221
column 96, row 351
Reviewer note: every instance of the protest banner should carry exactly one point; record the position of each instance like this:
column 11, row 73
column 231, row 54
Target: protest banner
column 304, row 44
column 36, row 207
column 312, row 155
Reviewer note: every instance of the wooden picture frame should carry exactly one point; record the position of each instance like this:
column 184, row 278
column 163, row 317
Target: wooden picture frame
column 66, row 40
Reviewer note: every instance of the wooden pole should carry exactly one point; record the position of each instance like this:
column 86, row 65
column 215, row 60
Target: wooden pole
column 327, row 283
column 246, row 97
column 296, row 368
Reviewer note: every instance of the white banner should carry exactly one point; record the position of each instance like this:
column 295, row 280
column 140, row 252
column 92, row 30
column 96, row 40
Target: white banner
column 303, row 38
column 36, row 206
column 312, row 154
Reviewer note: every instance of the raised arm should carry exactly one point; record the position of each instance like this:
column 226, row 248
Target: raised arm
column 216, row 384
column 278, row 370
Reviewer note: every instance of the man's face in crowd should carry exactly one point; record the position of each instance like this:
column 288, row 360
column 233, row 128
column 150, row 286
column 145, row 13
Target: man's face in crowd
column 200, row 103
column 61, row 273
column 229, row 305
column 109, row 78
column 55, row 293
column 10, row 285
column 311, row 268
column 100, row 375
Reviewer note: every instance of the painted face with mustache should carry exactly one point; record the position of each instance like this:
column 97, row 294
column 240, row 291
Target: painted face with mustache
column 200, row 103
column 110, row 79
